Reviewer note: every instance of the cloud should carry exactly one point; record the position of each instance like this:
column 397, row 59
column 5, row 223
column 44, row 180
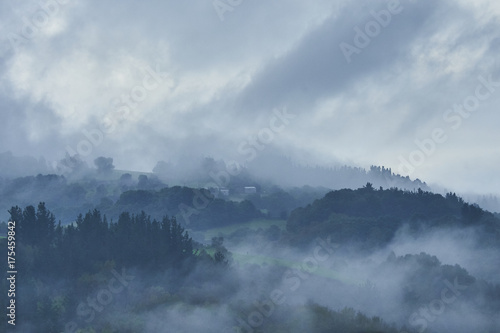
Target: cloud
column 227, row 77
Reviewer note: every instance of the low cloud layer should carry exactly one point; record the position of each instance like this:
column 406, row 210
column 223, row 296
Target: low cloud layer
column 71, row 69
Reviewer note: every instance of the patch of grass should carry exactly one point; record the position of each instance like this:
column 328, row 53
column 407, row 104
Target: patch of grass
column 262, row 260
column 253, row 225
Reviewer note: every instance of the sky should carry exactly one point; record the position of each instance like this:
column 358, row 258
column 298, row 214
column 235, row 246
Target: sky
column 410, row 85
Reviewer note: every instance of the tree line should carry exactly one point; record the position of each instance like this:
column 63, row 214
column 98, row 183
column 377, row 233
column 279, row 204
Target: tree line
column 135, row 240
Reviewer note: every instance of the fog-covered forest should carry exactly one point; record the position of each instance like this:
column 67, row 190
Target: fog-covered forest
column 103, row 250
column 237, row 166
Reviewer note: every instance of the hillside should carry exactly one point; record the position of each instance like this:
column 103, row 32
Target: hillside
column 373, row 216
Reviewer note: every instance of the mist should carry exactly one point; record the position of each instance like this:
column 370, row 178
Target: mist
column 250, row 166
column 413, row 282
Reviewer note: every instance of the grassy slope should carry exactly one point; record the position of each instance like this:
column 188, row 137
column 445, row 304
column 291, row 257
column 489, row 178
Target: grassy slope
column 253, row 225
column 253, row 259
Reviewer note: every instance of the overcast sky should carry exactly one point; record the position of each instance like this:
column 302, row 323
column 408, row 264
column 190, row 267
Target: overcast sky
column 361, row 82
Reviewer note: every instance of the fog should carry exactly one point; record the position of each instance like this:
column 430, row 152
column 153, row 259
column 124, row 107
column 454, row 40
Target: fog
column 417, row 292
column 238, row 118
column 431, row 275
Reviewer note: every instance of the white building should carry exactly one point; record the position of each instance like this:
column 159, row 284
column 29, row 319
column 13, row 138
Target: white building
column 250, row 190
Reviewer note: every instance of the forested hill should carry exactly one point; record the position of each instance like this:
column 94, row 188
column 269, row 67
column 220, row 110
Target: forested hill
column 373, row 216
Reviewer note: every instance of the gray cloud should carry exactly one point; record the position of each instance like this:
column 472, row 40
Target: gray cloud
column 229, row 75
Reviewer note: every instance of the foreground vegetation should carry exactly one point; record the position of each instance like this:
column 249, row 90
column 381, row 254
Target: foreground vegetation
column 100, row 275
